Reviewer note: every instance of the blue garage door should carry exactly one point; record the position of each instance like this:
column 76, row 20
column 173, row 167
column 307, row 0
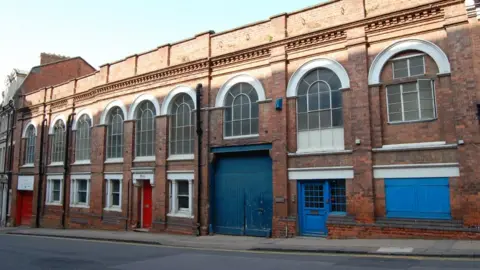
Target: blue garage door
column 243, row 194
column 422, row 198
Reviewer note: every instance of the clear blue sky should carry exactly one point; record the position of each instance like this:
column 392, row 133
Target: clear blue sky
column 103, row 31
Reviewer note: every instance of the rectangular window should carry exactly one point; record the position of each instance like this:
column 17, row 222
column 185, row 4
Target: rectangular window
column 408, row 67
column 54, row 190
column 411, row 101
column 80, row 191
column 338, row 196
column 114, row 193
column 181, row 197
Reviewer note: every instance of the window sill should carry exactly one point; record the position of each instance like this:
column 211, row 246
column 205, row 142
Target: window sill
column 241, row 137
column 180, row 214
column 415, row 146
column 113, row 209
column 55, row 164
column 79, row 206
column 144, row 159
column 319, row 152
column 114, row 160
column 82, row 162
column 180, row 157
column 54, row 203
column 30, row 165
column 412, row 122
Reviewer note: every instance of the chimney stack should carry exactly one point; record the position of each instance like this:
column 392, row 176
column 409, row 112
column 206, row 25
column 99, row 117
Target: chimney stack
column 47, row 58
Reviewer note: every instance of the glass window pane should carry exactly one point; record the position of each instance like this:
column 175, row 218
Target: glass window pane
column 337, row 117
column 410, row 116
column 409, row 87
column 313, row 120
column 428, row 114
column 254, row 126
column 334, row 82
column 336, row 99
column 325, row 119
column 115, row 185
column 183, row 202
column 302, row 121
column 325, row 100
column 228, row 129
column 394, row 98
column 311, row 77
column 313, row 102
column 254, row 113
column 302, row 104
column 245, row 127
column 426, row 104
column 410, row 106
column 415, row 71
column 237, row 112
column 236, row 128
column 393, row 89
column 416, row 66
column 323, row 87
column 394, row 117
column 82, row 197
column 395, row 108
column 245, row 110
column 56, row 196
column 409, row 97
column 116, row 199
column 182, row 187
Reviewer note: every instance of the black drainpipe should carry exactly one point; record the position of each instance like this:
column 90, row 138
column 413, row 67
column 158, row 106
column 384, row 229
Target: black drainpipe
column 66, row 166
column 6, row 160
column 10, row 151
column 41, row 172
column 199, row 154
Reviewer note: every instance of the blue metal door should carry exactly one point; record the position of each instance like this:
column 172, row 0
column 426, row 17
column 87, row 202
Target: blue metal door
column 313, row 207
column 243, row 198
column 422, row 198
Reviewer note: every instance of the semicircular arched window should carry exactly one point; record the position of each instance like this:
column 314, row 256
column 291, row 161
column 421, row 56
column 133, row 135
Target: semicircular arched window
column 58, row 142
column 115, row 133
column 319, row 111
column 82, row 138
column 30, row 145
column 182, row 128
column 145, row 130
column 241, row 112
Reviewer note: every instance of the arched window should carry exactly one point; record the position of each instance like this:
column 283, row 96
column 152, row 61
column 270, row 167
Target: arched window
column 83, row 135
column 58, row 141
column 241, row 112
column 181, row 125
column 115, row 133
column 319, row 108
column 145, row 130
column 30, row 145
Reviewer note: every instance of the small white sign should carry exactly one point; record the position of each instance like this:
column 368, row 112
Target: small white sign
column 25, row 183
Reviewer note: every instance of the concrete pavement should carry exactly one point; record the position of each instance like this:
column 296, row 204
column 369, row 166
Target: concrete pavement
column 414, row 247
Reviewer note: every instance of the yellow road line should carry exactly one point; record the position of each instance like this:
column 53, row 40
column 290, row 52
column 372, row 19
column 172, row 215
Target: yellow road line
column 326, row 254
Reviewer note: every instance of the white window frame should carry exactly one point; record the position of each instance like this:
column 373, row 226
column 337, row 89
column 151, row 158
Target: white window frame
column 74, row 190
column 109, row 178
column 408, row 58
column 434, row 100
column 49, row 196
column 173, row 179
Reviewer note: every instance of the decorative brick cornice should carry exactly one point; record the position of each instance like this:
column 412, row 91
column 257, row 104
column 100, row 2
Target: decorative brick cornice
column 433, row 13
column 141, row 79
column 240, row 57
column 59, row 104
column 316, row 39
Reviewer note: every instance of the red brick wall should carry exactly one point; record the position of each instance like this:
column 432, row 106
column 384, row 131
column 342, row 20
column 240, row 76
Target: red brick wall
column 364, row 109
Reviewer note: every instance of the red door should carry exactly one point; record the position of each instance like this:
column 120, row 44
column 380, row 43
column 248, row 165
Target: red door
column 25, row 199
column 147, row 205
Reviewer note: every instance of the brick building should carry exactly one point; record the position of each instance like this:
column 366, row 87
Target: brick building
column 53, row 69
column 348, row 119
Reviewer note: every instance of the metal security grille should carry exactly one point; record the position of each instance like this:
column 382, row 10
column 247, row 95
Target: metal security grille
column 83, row 134
column 337, row 196
column 115, row 133
column 145, row 130
column 314, row 196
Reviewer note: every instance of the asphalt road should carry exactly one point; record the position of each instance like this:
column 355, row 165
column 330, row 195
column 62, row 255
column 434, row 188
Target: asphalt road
column 26, row 252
